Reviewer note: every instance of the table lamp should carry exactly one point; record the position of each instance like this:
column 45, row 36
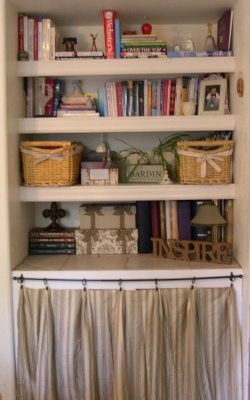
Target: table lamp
column 208, row 214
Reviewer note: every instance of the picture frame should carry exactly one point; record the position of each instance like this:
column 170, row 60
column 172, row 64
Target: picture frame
column 212, row 97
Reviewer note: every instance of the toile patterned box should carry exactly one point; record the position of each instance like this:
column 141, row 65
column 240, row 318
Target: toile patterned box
column 103, row 216
column 106, row 241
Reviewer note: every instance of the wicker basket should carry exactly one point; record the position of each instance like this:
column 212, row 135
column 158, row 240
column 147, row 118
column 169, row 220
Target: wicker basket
column 51, row 163
column 208, row 162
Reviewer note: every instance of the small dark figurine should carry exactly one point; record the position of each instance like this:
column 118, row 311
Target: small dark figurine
column 54, row 213
column 94, row 47
column 69, row 43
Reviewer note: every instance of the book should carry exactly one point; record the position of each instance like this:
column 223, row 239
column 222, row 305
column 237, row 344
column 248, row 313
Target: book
column 144, row 226
column 184, row 219
column 109, row 32
column 163, row 231
column 172, row 97
column 54, row 245
column 155, row 219
column 45, row 233
column 141, row 97
column 138, row 37
column 174, row 220
column 184, row 53
column 31, row 22
column 118, row 86
column 130, row 99
column 50, row 240
column 117, row 38
column 20, row 41
column 138, row 54
column 36, row 252
column 224, row 30
column 90, row 54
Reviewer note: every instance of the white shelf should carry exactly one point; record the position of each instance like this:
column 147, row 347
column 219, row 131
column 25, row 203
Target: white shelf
column 126, row 124
column 125, row 68
column 126, row 192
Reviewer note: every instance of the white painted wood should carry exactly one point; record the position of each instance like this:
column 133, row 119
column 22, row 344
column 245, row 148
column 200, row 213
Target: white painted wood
column 126, row 192
column 126, row 124
column 126, row 68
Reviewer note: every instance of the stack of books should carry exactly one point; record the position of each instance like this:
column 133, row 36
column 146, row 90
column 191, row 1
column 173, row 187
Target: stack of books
column 77, row 104
column 142, row 46
column 46, row 242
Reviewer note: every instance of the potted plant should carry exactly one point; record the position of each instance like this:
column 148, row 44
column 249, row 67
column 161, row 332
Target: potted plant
column 156, row 157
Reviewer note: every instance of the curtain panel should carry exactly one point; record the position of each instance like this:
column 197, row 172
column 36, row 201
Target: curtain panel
column 165, row 344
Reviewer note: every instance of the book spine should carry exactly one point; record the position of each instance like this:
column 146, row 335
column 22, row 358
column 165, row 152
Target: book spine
column 144, row 49
column 40, row 38
column 124, row 98
column 30, row 98
column 144, row 226
column 119, row 98
column 35, row 39
column 109, row 33
column 33, row 252
column 117, row 38
column 141, row 98
column 39, row 96
column 154, row 98
column 51, row 234
column 55, row 240
column 174, row 219
column 149, row 97
column 130, row 105
column 108, row 91
column 20, row 33
column 136, row 98
column 145, row 96
column 172, row 97
column 47, row 246
column 155, row 218
column 162, row 219
column 31, row 39
column 52, row 45
column 184, row 219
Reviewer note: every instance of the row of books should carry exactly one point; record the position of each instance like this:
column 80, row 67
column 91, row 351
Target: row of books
column 36, row 38
column 156, row 97
column 51, row 242
column 45, row 97
column 171, row 219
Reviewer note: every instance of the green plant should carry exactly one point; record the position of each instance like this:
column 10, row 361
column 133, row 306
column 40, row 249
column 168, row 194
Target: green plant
column 158, row 155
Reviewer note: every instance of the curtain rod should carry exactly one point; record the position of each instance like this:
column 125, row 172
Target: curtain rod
column 20, row 279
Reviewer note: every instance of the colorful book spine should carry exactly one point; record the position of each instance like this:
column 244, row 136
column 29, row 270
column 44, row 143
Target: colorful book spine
column 109, row 32
column 49, row 92
column 155, row 217
column 118, row 86
column 58, row 92
column 172, row 97
column 20, row 33
column 43, row 233
column 117, row 38
column 31, row 39
column 141, row 98
column 184, row 219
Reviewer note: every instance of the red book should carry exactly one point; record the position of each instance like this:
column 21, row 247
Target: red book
column 118, row 86
column 224, row 30
column 20, row 33
column 155, row 219
column 166, row 98
column 35, row 39
column 109, row 32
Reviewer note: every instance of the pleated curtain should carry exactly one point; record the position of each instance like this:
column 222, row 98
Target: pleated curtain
column 166, row 344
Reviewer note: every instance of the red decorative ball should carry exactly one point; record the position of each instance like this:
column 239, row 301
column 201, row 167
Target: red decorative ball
column 146, row 28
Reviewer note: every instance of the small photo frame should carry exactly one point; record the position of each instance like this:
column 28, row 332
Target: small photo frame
column 212, row 97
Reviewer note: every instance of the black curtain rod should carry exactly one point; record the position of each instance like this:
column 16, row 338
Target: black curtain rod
column 20, row 279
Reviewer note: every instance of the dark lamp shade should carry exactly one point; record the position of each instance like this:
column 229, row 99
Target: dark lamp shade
column 208, row 214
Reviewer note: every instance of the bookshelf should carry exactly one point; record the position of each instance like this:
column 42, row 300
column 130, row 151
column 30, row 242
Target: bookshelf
column 19, row 205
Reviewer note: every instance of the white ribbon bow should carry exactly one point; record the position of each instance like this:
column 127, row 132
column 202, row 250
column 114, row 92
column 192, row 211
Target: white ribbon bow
column 204, row 158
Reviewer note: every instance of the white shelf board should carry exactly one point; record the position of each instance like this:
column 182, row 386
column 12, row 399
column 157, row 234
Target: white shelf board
column 126, row 124
column 124, row 67
column 126, row 192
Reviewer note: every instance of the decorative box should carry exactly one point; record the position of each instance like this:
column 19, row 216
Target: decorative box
column 106, row 241
column 144, row 173
column 118, row 216
column 99, row 176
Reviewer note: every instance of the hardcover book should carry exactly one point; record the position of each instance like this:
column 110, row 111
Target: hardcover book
column 144, row 226
column 109, row 32
column 224, row 30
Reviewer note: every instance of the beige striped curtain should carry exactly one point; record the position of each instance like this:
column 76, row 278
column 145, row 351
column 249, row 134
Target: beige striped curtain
column 166, row 344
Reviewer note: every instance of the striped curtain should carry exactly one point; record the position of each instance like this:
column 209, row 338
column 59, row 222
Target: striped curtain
column 176, row 344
